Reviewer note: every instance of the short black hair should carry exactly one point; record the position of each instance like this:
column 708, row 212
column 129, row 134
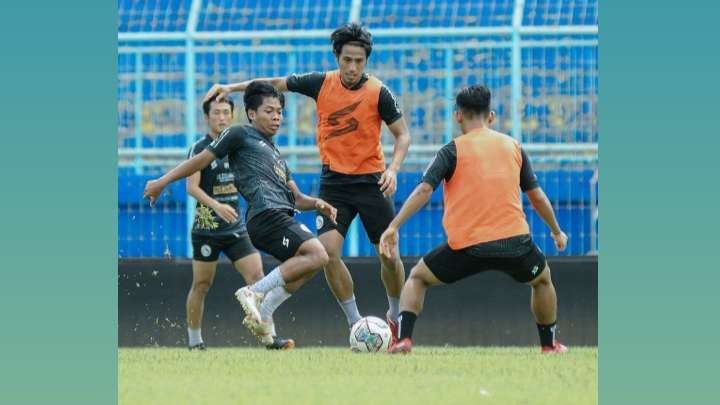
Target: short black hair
column 352, row 34
column 257, row 91
column 206, row 104
column 474, row 100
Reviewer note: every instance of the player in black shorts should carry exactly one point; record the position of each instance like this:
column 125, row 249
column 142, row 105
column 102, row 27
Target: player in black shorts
column 351, row 108
column 483, row 173
column 217, row 227
column 264, row 180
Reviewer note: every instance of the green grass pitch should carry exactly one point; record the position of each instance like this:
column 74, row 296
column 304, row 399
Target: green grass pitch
column 314, row 375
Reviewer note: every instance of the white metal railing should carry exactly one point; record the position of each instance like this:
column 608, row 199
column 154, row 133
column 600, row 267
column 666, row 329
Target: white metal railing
column 310, row 150
column 377, row 33
column 305, row 158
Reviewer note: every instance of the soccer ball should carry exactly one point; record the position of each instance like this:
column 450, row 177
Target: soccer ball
column 370, row 334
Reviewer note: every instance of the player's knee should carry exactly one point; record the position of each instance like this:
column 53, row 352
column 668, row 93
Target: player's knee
column 201, row 286
column 390, row 264
column 318, row 257
column 417, row 274
column 542, row 280
column 334, row 255
column 332, row 245
column 254, row 277
column 322, row 258
column 314, row 251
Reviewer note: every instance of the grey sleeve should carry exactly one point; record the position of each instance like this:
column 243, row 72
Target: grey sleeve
column 228, row 141
column 528, row 180
column 388, row 107
column 442, row 167
column 308, row 84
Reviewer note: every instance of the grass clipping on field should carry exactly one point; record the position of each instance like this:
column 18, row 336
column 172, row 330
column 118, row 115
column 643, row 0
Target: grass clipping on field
column 429, row 375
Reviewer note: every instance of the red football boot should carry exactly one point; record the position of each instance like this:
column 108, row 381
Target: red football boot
column 392, row 323
column 557, row 348
column 402, row 347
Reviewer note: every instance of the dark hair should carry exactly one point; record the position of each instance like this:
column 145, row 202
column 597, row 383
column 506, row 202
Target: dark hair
column 206, row 105
column 474, row 100
column 257, row 91
column 352, row 34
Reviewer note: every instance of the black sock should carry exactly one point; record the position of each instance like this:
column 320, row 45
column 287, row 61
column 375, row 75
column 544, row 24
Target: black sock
column 407, row 323
column 547, row 334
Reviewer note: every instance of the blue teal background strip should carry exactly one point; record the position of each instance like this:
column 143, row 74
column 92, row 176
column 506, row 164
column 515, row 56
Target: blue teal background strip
column 58, row 293
column 659, row 260
column 659, row 267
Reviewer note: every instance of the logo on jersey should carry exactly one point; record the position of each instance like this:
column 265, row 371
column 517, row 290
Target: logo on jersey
column 286, row 242
column 319, row 222
column 224, row 189
column 280, row 172
column 214, row 165
column 206, row 250
column 345, row 124
column 535, row 269
column 225, row 177
column 305, row 228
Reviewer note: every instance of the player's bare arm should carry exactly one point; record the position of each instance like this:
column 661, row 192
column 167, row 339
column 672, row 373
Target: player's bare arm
column 154, row 188
column 304, row 202
column 389, row 239
column 224, row 211
column 542, row 205
column 388, row 180
column 220, row 91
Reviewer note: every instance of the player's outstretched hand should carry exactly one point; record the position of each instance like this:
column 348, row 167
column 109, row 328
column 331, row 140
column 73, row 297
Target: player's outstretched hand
column 388, row 182
column 389, row 243
column 153, row 189
column 560, row 240
column 226, row 212
column 219, row 91
column 326, row 209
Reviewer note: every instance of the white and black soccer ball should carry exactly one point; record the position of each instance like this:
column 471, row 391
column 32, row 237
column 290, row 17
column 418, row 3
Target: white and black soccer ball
column 369, row 335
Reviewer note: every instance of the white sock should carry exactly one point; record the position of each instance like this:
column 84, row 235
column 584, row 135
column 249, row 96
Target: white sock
column 267, row 283
column 194, row 337
column 272, row 300
column 350, row 309
column 394, row 306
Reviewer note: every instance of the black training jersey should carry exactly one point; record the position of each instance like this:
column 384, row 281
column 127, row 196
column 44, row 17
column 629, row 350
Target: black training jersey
column 261, row 174
column 217, row 181
column 309, row 84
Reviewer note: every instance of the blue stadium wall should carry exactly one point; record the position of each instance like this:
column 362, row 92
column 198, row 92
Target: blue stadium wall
column 147, row 232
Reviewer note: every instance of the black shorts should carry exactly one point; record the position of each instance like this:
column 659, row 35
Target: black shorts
column 277, row 233
column 518, row 257
column 376, row 211
column 235, row 246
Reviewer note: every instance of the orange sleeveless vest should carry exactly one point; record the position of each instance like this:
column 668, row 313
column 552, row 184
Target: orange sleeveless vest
column 482, row 199
column 348, row 126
